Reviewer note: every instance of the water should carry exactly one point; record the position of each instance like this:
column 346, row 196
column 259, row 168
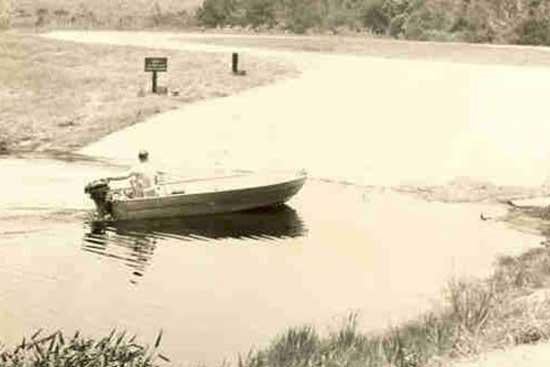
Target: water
column 134, row 243
column 368, row 120
column 219, row 285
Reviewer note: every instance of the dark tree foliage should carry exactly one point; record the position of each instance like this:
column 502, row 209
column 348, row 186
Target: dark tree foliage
column 215, row 13
column 509, row 21
column 260, row 12
column 534, row 32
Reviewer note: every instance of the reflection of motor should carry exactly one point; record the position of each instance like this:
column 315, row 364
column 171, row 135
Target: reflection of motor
column 98, row 191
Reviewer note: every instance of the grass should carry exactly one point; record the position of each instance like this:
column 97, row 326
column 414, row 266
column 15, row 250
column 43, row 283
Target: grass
column 60, row 96
column 116, row 349
column 508, row 309
column 383, row 47
column 467, row 190
column 112, row 14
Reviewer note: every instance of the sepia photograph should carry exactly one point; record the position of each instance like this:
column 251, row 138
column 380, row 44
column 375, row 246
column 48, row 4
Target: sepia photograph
column 274, row 183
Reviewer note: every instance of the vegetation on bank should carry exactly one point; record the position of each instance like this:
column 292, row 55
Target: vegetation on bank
column 5, row 12
column 510, row 308
column 506, row 21
column 56, row 96
column 488, row 21
column 102, row 14
column 57, row 350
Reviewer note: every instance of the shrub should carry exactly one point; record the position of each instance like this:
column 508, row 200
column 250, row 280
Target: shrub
column 397, row 7
column 164, row 19
column 474, row 24
column 61, row 13
column 41, row 17
column 397, row 25
column 302, row 15
column 440, row 36
column 533, row 31
column 4, row 149
column 213, row 13
column 472, row 303
column 259, row 12
column 157, row 14
column 398, row 13
column 471, row 21
column 423, row 22
column 5, row 14
column 373, row 16
column 340, row 18
column 461, row 24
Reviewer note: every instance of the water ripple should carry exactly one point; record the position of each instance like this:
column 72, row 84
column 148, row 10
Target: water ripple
column 134, row 243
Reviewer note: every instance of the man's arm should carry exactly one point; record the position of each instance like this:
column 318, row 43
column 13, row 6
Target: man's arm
column 125, row 176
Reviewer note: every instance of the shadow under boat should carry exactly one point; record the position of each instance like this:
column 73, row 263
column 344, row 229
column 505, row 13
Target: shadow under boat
column 134, row 242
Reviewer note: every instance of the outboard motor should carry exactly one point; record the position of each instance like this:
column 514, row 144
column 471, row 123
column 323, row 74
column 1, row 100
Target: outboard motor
column 98, row 191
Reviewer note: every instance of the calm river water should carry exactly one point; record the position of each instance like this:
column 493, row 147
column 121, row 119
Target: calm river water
column 220, row 285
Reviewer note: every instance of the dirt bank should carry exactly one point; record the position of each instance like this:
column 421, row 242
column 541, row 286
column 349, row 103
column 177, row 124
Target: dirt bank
column 57, row 95
column 366, row 45
column 467, row 190
column 523, row 356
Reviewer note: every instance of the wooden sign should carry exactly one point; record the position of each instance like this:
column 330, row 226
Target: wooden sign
column 156, row 64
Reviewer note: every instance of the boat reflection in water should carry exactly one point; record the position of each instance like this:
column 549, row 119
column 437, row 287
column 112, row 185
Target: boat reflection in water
column 134, row 242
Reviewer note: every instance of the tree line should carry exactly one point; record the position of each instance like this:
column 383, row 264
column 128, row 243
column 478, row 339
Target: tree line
column 488, row 21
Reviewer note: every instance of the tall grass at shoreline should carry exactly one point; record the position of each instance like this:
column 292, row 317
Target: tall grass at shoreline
column 511, row 307
column 57, row 349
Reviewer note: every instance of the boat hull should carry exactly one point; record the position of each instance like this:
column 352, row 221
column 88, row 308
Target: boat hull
column 208, row 202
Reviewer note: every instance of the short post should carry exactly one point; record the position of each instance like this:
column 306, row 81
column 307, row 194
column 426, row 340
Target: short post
column 155, row 65
column 235, row 63
column 154, row 81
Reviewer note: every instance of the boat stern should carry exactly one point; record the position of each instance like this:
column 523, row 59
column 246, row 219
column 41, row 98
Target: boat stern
column 99, row 190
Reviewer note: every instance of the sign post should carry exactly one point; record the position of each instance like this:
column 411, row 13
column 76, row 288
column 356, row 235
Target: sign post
column 155, row 65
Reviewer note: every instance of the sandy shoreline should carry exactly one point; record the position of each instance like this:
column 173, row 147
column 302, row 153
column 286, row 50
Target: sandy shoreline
column 521, row 356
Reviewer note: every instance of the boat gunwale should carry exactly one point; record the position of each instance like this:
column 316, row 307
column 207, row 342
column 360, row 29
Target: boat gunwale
column 301, row 180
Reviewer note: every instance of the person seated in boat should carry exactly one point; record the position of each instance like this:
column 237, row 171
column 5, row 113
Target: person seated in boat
column 144, row 179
